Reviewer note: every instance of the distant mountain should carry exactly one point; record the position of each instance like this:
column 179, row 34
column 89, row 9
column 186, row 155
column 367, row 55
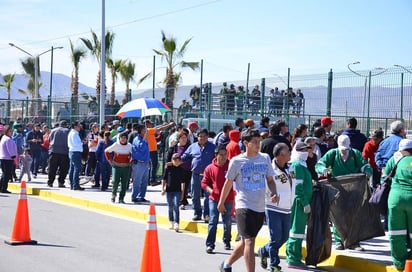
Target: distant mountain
column 61, row 87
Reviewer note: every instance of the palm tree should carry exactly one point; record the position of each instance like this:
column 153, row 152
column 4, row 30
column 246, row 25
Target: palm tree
column 115, row 67
column 8, row 81
column 94, row 46
column 127, row 74
column 173, row 57
column 28, row 67
column 77, row 54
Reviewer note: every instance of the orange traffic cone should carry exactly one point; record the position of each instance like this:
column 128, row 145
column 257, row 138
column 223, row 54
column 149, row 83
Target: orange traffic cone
column 150, row 255
column 21, row 229
column 408, row 266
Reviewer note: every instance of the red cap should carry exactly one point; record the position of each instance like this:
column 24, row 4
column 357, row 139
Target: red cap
column 326, row 120
column 193, row 124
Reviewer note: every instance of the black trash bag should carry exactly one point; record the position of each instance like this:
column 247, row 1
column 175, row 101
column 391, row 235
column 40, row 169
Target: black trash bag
column 318, row 234
column 354, row 218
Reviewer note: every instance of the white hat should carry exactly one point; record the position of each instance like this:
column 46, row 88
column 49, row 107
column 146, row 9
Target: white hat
column 343, row 142
column 405, row 144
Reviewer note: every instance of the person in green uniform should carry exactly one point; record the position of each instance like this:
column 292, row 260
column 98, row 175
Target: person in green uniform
column 339, row 161
column 300, row 206
column 399, row 203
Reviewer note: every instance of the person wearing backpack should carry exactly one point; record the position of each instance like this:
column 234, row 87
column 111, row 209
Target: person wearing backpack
column 340, row 161
column 399, row 203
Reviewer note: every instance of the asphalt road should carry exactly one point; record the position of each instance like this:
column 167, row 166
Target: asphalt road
column 73, row 239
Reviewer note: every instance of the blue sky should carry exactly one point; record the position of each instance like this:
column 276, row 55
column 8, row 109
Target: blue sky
column 272, row 35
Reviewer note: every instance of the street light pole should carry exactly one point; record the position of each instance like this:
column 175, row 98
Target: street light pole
column 369, row 79
column 49, row 111
column 36, row 67
column 409, row 71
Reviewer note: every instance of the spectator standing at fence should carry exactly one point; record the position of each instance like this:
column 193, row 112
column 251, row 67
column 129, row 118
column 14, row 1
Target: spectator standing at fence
column 299, row 101
column 34, row 140
column 58, row 154
column 368, row 154
column 195, row 95
column 251, row 171
column 290, row 96
column 255, row 100
column 357, row 139
column 230, row 98
column 399, row 203
column 64, row 113
column 223, row 97
column 240, row 99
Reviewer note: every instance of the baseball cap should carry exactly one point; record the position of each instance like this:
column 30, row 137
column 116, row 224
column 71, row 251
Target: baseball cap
column 193, row 124
column 301, row 146
column 115, row 122
column 405, row 144
column 343, row 142
column 327, row 120
column 120, row 129
column 249, row 122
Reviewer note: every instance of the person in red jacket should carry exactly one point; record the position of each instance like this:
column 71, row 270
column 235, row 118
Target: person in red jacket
column 212, row 182
column 233, row 147
column 368, row 154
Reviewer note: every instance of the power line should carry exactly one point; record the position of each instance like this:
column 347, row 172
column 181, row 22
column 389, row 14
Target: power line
column 126, row 23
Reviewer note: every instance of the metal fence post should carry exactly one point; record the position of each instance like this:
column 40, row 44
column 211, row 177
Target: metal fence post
column 329, row 94
column 368, row 120
column 402, row 96
column 262, row 97
column 209, row 104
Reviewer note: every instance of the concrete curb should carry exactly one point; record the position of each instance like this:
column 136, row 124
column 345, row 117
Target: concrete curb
column 335, row 260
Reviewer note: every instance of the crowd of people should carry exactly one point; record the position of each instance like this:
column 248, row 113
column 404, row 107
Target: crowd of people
column 235, row 100
column 256, row 173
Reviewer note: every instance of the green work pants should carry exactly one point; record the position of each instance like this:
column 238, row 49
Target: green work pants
column 120, row 175
column 296, row 234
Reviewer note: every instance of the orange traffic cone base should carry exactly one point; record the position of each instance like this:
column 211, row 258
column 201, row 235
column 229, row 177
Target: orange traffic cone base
column 18, row 243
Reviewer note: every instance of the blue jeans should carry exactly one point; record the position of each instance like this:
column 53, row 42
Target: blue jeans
column 279, row 227
column 155, row 162
column 196, row 194
column 214, row 218
column 173, row 205
column 36, row 156
column 75, row 168
column 140, row 180
column 106, row 171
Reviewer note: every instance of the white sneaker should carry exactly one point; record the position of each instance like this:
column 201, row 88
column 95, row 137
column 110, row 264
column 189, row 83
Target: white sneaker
column 171, row 225
column 176, row 227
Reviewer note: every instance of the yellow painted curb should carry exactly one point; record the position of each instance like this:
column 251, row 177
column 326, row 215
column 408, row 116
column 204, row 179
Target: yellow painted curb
column 335, row 260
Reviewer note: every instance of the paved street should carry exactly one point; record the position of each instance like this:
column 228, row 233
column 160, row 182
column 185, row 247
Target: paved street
column 76, row 222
